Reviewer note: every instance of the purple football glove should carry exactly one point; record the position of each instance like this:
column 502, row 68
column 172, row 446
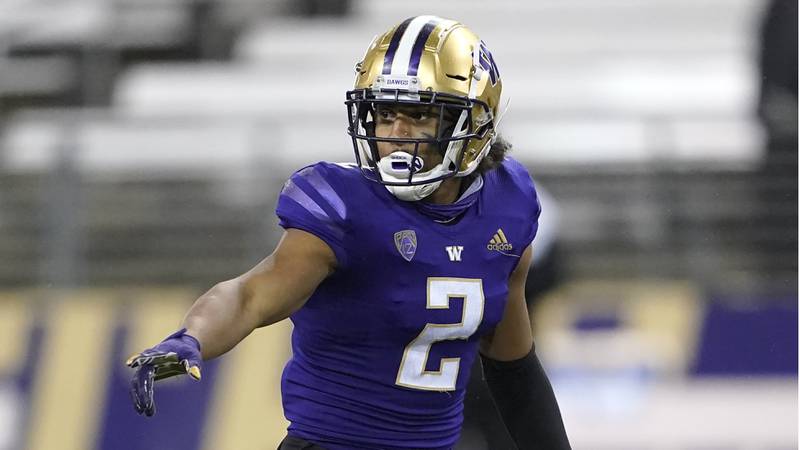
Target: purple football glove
column 178, row 354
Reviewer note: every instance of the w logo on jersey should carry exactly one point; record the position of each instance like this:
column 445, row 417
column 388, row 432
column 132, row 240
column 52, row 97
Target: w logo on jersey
column 454, row 252
column 487, row 62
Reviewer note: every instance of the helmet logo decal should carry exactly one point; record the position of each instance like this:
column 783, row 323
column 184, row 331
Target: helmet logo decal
column 406, row 243
column 488, row 64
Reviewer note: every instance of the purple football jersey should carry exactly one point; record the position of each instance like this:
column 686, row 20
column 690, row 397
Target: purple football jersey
column 383, row 348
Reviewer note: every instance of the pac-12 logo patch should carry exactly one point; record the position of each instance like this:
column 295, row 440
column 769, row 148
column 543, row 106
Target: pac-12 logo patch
column 406, row 243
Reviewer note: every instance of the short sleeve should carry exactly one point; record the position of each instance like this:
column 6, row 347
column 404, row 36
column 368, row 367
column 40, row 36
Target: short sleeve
column 535, row 212
column 530, row 208
column 310, row 202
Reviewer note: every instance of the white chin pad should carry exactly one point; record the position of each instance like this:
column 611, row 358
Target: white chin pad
column 413, row 193
column 401, row 164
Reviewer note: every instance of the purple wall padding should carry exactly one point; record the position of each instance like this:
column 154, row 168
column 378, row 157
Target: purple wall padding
column 759, row 338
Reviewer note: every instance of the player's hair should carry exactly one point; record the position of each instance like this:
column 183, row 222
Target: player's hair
column 496, row 155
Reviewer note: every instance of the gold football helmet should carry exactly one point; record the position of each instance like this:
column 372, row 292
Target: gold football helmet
column 439, row 64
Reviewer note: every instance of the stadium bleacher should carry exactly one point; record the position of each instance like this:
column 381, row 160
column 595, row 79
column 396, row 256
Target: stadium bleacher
column 603, row 97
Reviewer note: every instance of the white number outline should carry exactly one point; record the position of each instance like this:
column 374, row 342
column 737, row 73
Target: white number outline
column 440, row 290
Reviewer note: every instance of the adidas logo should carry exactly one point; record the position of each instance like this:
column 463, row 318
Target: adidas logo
column 499, row 242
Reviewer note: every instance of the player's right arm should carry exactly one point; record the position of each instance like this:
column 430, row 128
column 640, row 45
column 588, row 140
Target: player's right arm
column 268, row 293
column 231, row 310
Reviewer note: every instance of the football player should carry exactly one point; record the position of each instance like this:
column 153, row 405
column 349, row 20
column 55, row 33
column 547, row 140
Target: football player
column 396, row 271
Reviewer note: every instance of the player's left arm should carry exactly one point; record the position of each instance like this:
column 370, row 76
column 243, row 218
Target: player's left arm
column 518, row 383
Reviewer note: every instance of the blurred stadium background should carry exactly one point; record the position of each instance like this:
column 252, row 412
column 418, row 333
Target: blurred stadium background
column 143, row 143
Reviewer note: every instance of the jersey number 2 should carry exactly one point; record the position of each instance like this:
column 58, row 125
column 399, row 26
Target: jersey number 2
column 412, row 371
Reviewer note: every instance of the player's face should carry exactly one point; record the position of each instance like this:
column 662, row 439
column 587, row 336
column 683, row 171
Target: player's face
column 408, row 121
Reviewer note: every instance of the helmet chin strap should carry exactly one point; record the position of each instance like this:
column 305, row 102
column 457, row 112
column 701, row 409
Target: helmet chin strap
column 395, row 167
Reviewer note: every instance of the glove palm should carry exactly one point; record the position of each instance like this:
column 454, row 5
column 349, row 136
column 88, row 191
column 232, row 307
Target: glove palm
column 178, row 354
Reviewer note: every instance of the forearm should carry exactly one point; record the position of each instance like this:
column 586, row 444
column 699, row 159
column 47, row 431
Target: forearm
column 220, row 319
column 231, row 310
column 268, row 293
column 526, row 402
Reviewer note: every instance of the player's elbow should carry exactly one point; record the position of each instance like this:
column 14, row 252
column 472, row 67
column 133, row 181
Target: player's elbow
column 254, row 301
column 270, row 297
column 505, row 349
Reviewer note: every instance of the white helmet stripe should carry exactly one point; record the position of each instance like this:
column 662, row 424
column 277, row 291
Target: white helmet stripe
column 403, row 55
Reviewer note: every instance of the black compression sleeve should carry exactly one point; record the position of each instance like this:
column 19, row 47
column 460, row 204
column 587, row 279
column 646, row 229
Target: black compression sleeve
column 526, row 402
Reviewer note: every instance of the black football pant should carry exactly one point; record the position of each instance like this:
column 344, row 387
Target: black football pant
column 295, row 443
